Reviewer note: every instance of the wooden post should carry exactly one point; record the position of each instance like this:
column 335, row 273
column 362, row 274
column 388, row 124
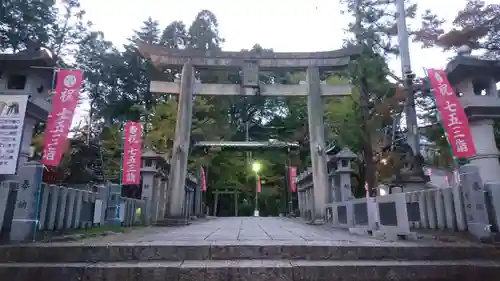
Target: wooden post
column 178, row 167
column 317, row 145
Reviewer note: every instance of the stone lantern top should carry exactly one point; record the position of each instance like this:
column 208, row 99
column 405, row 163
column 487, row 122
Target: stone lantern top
column 474, row 79
column 150, row 154
column 346, row 154
column 465, row 66
column 344, row 159
column 29, row 73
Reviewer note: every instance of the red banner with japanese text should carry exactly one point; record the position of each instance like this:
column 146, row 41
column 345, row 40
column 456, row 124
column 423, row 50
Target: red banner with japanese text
column 132, row 147
column 203, row 180
column 259, row 188
column 453, row 117
column 292, row 174
column 64, row 102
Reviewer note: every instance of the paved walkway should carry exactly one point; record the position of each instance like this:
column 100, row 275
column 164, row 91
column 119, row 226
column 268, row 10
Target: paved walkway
column 247, row 230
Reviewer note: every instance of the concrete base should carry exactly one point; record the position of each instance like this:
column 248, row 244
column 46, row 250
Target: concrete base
column 316, row 222
column 217, row 261
column 173, row 221
column 264, row 249
column 392, row 236
column 360, row 231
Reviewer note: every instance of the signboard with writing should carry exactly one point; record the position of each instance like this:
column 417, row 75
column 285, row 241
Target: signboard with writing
column 12, row 112
column 453, row 117
column 474, row 201
column 67, row 92
column 131, row 165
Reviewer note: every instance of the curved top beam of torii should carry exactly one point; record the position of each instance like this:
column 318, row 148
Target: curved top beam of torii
column 162, row 57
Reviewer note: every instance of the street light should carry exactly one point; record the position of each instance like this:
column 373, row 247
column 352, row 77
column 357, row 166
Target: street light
column 256, row 168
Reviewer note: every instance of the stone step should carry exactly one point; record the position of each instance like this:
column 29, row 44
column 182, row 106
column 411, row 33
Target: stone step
column 261, row 270
column 148, row 251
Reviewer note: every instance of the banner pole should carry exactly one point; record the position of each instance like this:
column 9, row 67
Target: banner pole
column 439, row 117
column 454, row 160
column 39, row 188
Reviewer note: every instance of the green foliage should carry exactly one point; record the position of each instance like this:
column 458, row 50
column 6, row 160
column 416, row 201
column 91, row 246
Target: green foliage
column 117, row 88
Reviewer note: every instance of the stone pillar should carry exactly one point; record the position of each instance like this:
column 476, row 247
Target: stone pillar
column 299, row 200
column 157, row 197
column 487, row 152
column 113, row 205
column 216, row 204
column 163, row 196
column 345, row 186
column 147, row 185
column 198, row 193
column 235, row 203
column 178, row 167
column 310, row 204
column 344, row 171
column 481, row 129
column 475, row 204
column 317, row 144
column 304, row 199
column 25, row 217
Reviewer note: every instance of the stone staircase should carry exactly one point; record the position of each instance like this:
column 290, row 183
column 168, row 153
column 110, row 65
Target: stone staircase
column 260, row 261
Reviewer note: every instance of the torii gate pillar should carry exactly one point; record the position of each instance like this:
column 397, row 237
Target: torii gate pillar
column 178, row 167
column 317, row 144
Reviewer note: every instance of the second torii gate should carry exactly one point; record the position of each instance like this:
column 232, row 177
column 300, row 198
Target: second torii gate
column 250, row 63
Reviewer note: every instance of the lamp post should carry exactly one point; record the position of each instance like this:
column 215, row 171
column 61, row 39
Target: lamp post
column 256, row 168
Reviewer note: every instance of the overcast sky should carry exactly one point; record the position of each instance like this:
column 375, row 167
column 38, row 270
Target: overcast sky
column 284, row 25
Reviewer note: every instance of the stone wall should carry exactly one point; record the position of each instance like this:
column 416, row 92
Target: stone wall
column 471, row 205
column 27, row 211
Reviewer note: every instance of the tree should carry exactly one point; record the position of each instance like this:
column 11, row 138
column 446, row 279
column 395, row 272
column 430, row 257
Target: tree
column 24, row 24
column 476, row 25
column 374, row 28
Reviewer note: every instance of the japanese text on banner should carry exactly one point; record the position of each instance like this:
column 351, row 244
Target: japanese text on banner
column 452, row 114
column 65, row 100
column 131, row 166
column 203, row 180
column 292, row 176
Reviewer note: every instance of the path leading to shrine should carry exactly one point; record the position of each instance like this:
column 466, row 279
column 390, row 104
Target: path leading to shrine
column 248, row 248
column 240, row 229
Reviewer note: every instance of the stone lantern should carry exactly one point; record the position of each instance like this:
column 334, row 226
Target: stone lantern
column 25, row 83
column 475, row 81
column 151, row 178
column 343, row 191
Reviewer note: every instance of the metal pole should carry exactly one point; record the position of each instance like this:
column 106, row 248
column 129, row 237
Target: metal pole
column 256, row 211
column 289, row 194
column 408, row 76
column 364, row 101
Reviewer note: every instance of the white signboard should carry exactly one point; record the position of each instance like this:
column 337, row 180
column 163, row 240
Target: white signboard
column 12, row 112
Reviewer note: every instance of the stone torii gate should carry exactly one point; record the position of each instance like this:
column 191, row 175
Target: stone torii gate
column 250, row 63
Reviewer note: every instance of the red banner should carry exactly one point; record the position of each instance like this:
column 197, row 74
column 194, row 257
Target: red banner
column 203, row 180
column 259, row 188
column 64, row 102
column 452, row 114
column 131, row 160
column 292, row 174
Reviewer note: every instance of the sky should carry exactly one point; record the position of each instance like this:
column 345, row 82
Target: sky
column 285, row 26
